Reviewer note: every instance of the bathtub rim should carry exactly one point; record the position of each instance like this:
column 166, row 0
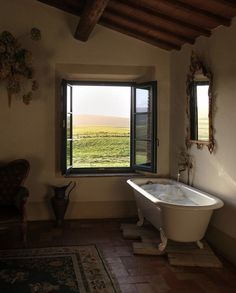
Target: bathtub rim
column 216, row 205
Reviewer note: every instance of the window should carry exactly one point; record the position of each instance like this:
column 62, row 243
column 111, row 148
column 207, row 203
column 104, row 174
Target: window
column 108, row 127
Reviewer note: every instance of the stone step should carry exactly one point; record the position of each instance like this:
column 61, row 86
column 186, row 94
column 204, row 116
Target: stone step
column 146, row 248
column 179, row 254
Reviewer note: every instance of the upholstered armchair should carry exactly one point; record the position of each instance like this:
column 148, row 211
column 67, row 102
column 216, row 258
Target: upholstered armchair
column 13, row 195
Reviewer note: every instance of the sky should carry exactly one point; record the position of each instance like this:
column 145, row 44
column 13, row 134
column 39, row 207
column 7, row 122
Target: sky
column 102, row 100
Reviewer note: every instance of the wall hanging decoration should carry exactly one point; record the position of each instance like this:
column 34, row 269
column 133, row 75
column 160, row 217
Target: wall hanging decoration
column 16, row 68
column 200, row 105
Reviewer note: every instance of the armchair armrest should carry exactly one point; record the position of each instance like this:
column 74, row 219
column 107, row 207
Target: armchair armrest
column 20, row 198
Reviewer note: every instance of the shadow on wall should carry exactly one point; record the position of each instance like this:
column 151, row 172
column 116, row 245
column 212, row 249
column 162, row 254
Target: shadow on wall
column 226, row 183
column 34, row 180
column 71, row 23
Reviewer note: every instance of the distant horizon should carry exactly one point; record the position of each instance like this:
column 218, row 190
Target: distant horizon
column 112, row 116
column 100, row 120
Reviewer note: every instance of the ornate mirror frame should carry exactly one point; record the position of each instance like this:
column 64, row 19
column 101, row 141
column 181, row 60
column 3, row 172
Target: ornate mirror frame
column 196, row 65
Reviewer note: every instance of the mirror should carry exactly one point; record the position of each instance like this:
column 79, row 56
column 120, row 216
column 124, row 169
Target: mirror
column 199, row 105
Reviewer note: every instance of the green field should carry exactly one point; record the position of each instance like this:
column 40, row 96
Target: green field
column 99, row 146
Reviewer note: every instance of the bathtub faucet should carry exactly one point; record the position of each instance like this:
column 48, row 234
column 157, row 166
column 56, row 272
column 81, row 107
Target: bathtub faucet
column 180, row 170
column 187, row 166
column 149, row 182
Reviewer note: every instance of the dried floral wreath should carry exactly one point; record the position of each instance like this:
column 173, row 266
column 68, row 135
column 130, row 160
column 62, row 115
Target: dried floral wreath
column 16, row 66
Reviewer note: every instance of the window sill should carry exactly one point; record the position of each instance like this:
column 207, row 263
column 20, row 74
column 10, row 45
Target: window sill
column 103, row 175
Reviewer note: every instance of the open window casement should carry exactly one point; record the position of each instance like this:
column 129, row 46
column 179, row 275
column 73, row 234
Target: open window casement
column 143, row 128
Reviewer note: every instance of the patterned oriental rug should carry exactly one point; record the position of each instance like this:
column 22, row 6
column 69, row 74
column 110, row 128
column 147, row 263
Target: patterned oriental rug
column 73, row 269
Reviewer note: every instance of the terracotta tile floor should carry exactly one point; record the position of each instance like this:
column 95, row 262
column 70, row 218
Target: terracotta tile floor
column 135, row 274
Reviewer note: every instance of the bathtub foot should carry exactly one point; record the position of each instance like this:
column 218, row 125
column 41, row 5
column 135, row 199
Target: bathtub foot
column 200, row 244
column 141, row 218
column 164, row 240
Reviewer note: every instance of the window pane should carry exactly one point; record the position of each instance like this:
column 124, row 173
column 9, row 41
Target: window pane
column 69, row 89
column 143, row 126
column 68, row 126
column 143, row 102
column 101, row 126
column 143, row 153
column 145, row 141
column 203, row 112
column 68, row 153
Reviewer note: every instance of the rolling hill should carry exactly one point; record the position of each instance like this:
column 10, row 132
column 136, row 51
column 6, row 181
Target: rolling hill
column 88, row 120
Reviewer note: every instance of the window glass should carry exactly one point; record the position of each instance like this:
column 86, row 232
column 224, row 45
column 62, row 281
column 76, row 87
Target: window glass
column 142, row 100
column 143, row 126
column 68, row 98
column 101, row 126
column 143, row 153
column 68, row 126
column 203, row 112
column 68, row 153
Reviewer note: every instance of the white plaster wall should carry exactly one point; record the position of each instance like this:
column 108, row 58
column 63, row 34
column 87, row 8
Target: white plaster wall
column 31, row 131
column 215, row 173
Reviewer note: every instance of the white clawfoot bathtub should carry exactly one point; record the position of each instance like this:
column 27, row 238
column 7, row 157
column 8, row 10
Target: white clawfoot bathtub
column 180, row 212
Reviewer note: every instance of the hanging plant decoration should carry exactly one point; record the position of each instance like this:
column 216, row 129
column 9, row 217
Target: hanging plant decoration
column 16, row 68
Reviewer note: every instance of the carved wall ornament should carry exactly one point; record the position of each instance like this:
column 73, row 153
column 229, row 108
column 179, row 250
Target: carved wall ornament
column 16, row 68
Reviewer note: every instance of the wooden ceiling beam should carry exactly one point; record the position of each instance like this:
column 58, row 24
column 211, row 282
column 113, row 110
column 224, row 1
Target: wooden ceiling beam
column 152, row 22
column 136, row 21
column 91, row 13
column 198, row 13
column 227, row 3
column 140, row 36
column 160, row 20
column 163, row 23
column 185, row 12
column 219, row 7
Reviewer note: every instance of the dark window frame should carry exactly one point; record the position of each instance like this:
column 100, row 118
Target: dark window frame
column 110, row 170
